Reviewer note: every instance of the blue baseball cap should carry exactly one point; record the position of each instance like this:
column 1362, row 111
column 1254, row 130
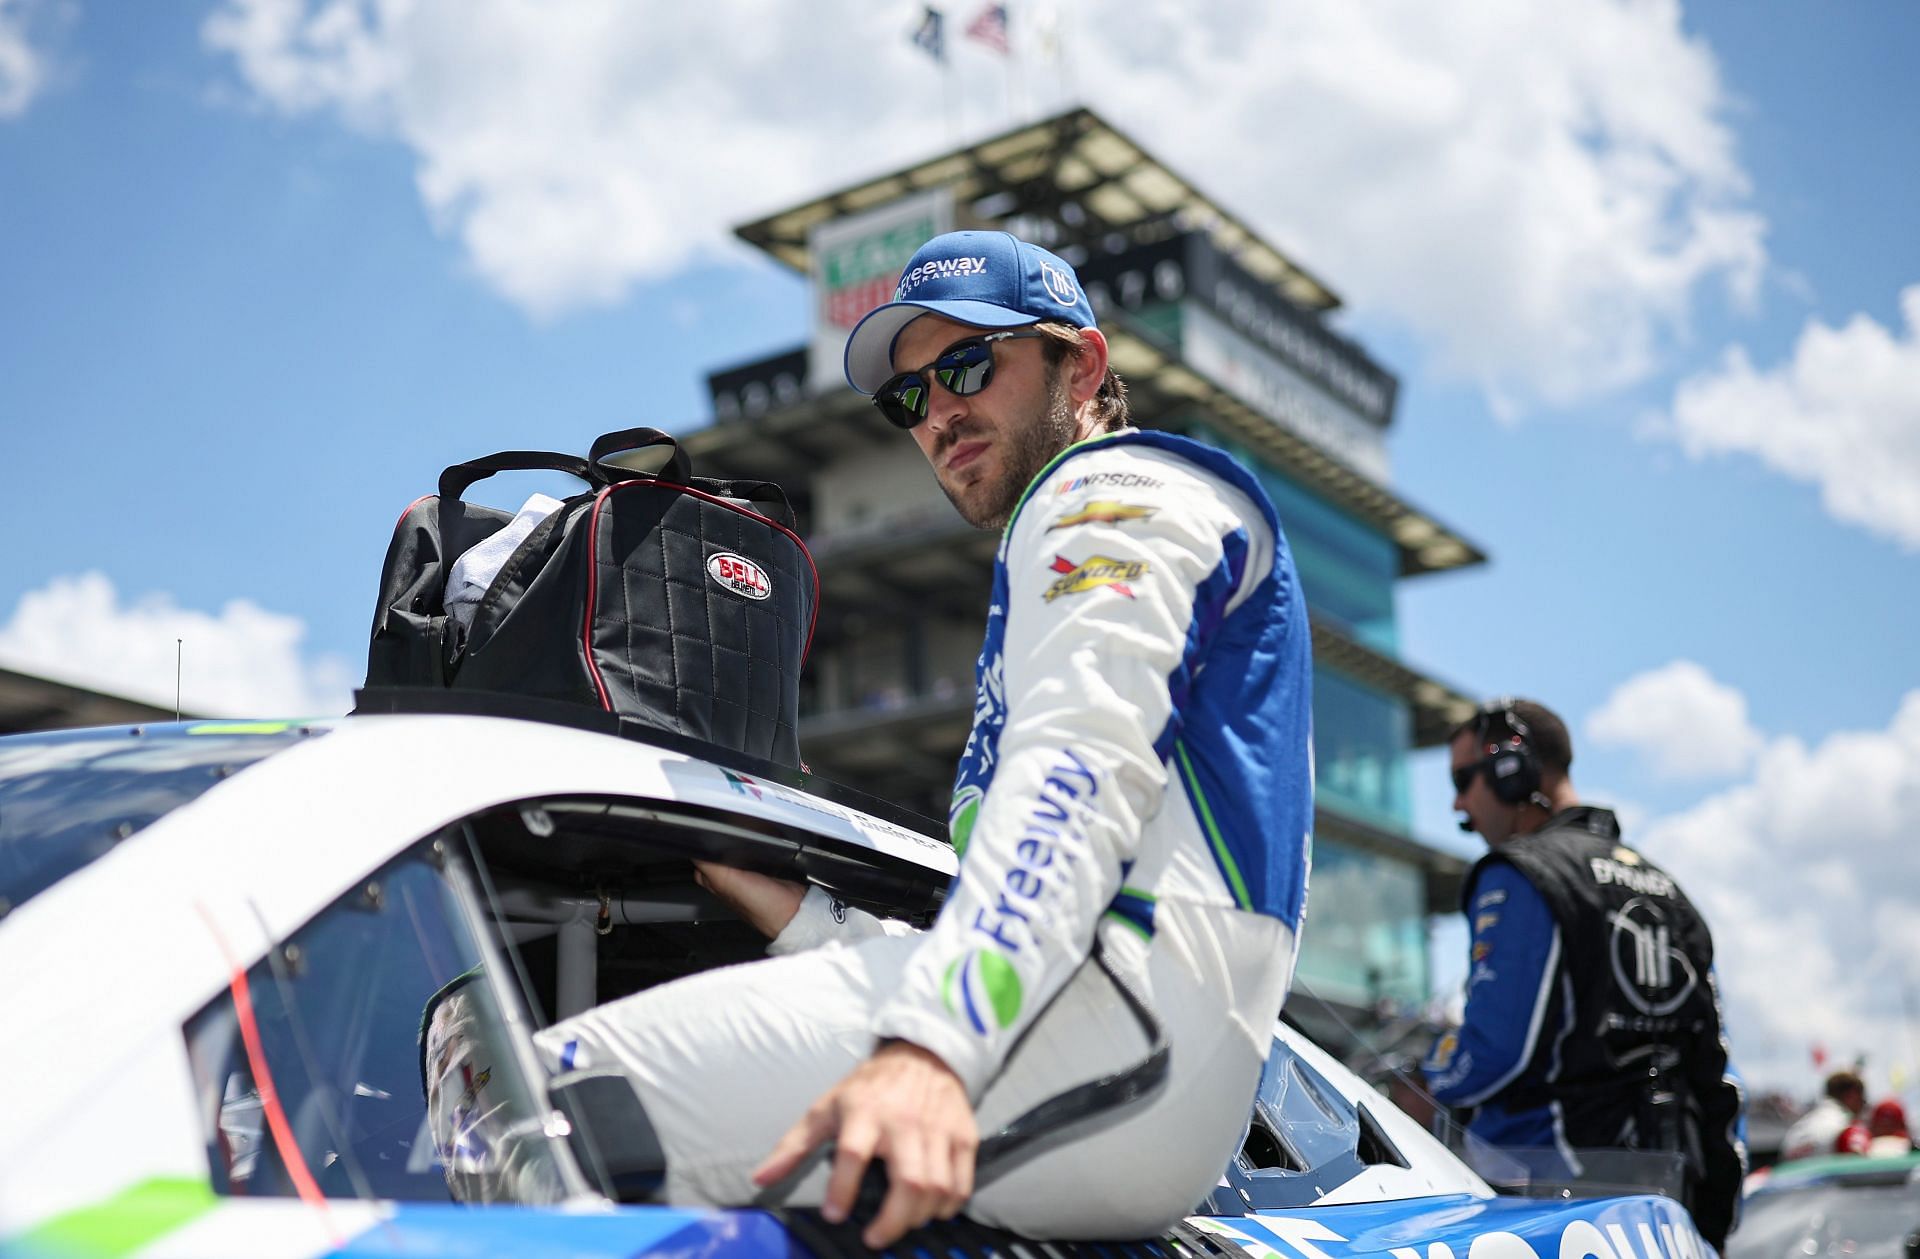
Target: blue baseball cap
column 986, row 279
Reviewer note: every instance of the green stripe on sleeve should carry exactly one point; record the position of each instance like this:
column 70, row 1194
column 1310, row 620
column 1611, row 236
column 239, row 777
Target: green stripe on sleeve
column 1220, row 853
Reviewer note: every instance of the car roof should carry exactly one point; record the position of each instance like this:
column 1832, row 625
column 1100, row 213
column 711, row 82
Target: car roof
column 459, row 763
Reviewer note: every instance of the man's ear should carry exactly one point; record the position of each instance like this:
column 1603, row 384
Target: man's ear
column 1088, row 368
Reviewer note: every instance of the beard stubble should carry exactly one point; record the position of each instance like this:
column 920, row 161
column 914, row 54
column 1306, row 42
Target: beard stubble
column 1028, row 447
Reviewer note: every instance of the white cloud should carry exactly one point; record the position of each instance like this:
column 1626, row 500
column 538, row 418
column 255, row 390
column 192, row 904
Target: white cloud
column 1808, row 875
column 577, row 149
column 1843, row 413
column 23, row 66
column 1538, row 190
column 244, row 661
column 1681, row 721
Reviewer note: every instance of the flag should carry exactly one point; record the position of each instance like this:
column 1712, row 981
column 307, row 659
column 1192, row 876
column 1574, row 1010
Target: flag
column 931, row 34
column 990, row 28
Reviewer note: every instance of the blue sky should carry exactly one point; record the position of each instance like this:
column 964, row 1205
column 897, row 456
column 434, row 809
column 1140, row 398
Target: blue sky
column 269, row 268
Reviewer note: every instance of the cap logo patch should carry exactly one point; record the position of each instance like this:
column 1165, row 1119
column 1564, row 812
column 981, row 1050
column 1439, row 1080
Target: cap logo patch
column 1060, row 285
column 739, row 574
column 938, row 269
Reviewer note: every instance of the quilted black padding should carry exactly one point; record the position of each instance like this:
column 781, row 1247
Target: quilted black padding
column 633, row 597
column 671, row 640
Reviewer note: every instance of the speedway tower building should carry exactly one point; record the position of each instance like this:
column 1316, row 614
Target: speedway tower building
column 1219, row 335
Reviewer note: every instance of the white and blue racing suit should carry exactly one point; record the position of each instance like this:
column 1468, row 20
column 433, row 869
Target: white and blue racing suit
column 1139, row 767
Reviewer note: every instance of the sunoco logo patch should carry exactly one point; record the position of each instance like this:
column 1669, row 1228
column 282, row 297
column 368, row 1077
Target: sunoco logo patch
column 1097, row 572
column 739, row 574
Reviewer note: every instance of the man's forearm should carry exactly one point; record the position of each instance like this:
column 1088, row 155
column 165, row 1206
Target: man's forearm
column 767, row 903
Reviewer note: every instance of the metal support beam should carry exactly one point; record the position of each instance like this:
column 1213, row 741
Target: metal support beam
column 578, row 989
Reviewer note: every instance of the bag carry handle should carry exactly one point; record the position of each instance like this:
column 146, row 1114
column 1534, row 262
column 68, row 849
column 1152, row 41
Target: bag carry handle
column 457, row 480
column 642, row 451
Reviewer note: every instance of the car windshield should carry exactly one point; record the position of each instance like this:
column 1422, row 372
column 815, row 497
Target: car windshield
column 67, row 798
column 1862, row 1221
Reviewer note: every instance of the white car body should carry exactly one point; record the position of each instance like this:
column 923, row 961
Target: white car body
column 102, row 971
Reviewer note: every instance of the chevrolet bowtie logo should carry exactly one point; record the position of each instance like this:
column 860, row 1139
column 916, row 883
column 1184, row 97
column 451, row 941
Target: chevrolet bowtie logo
column 1103, row 513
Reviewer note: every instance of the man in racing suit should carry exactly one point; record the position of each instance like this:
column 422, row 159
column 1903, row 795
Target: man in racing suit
column 1593, row 1019
column 1138, row 771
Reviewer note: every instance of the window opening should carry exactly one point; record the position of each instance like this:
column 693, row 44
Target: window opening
column 341, row 1013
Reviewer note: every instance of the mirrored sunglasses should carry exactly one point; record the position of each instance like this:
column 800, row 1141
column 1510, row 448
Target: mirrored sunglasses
column 963, row 369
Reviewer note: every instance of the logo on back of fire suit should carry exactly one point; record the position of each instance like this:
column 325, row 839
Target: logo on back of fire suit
column 1655, row 976
column 1103, row 513
column 1093, row 573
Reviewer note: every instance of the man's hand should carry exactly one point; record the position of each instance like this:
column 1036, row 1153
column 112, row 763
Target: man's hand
column 904, row 1105
column 769, row 904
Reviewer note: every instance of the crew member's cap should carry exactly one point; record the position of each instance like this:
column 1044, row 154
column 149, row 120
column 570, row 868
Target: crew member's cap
column 986, row 279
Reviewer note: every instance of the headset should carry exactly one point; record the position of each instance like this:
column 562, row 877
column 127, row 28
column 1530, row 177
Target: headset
column 1512, row 770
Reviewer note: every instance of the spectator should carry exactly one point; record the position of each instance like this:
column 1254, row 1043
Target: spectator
column 1887, row 1129
column 1819, row 1130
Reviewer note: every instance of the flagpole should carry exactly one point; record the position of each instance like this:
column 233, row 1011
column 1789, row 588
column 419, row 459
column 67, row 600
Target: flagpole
column 1906, row 1009
column 1062, row 60
column 1015, row 114
column 931, row 38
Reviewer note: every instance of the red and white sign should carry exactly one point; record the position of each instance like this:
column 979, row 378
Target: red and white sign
column 739, row 574
column 855, row 262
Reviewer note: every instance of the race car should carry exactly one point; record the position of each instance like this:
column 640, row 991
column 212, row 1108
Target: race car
column 220, row 943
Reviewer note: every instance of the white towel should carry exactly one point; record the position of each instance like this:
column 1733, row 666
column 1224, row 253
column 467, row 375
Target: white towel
column 476, row 568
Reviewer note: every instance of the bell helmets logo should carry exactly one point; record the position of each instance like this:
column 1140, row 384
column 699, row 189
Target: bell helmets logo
column 739, row 574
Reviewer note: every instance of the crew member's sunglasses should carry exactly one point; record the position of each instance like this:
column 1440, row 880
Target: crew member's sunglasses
column 1464, row 775
column 963, row 369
